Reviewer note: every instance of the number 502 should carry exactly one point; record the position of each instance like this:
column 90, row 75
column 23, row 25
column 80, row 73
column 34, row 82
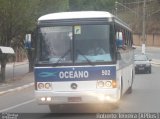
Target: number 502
column 106, row 72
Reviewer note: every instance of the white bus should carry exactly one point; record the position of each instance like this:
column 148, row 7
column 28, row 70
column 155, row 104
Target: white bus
column 82, row 57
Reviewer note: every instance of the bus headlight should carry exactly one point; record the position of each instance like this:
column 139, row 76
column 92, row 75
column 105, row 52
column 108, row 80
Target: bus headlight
column 44, row 85
column 100, row 84
column 101, row 97
column 46, row 99
column 48, row 85
column 43, row 99
column 40, row 85
column 106, row 84
column 108, row 98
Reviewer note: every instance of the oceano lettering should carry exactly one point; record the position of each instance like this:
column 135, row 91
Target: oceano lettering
column 74, row 74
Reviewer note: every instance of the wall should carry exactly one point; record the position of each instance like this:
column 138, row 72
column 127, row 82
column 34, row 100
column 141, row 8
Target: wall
column 152, row 40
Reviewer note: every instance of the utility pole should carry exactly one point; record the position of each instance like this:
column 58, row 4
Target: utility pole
column 144, row 27
column 116, row 8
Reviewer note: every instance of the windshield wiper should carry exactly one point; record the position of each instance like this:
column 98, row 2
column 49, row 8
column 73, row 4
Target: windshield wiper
column 62, row 57
column 89, row 61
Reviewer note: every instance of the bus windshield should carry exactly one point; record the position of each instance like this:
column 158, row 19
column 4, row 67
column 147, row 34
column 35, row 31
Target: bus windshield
column 75, row 44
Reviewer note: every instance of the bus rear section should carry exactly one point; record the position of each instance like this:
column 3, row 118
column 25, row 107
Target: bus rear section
column 68, row 85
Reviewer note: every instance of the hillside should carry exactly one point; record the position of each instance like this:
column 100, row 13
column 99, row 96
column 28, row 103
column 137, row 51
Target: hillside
column 135, row 19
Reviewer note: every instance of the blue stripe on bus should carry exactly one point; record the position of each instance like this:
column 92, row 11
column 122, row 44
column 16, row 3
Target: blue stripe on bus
column 75, row 74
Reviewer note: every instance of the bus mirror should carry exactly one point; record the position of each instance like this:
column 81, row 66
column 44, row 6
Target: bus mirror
column 119, row 39
column 28, row 41
column 118, row 56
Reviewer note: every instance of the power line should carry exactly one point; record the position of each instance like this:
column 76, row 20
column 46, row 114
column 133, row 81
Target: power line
column 154, row 12
column 141, row 1
column 117, row 3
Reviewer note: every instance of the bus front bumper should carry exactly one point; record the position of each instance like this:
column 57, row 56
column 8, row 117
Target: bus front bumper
column 100, row 96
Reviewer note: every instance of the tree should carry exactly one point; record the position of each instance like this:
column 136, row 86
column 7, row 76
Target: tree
column 50, row 6
column 44, row 7
column 79, row 5
column 14, row 15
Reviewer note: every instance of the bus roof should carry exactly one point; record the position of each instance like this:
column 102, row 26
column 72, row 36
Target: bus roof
column 76, row 15
column 82, row 15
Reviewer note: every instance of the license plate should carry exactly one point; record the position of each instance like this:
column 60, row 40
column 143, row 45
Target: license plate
column 74, row 99
column 141, row 68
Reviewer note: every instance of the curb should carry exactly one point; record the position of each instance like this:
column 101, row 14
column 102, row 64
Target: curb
column 17, row 64
column 17, row 89
column 155, row 61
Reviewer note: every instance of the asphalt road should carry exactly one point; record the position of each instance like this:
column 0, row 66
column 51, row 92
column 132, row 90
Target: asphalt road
column 144, row 98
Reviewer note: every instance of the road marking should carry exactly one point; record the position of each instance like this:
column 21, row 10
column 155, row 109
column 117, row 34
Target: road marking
column 17, row 88
column 156, row 65
column 21, row 104
column 155, row 61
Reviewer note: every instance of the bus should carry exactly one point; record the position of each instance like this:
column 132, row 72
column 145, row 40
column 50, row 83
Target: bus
column 83, row 57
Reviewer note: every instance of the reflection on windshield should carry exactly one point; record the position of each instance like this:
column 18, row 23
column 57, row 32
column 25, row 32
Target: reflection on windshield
column 140, row 58
column 55, row 42
column 59, row 60
column 93, row 42
column 81, row 43
column 97, row 58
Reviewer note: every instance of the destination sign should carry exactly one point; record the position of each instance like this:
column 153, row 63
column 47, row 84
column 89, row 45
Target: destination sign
column 75, row 73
